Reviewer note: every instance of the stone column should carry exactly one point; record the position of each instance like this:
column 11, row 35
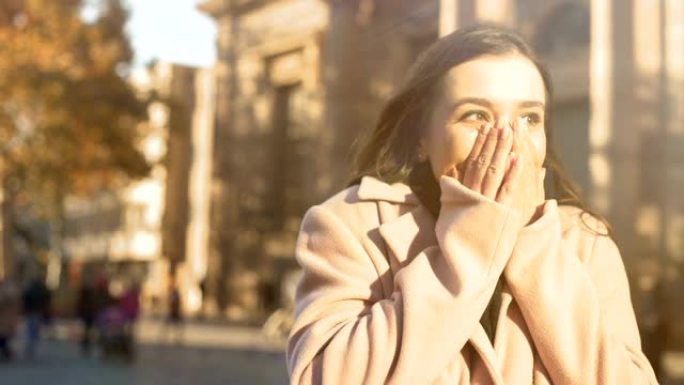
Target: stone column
column 346, row 82
column 601, row 102
column 224, row 213
column 448, row 16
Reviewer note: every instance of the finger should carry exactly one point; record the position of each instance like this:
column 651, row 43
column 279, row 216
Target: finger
column 452, row 172
column 497, row 168
column 541, row 190
column 474, row 154
column 480, row 164
column 505, row 195
column 517, row 129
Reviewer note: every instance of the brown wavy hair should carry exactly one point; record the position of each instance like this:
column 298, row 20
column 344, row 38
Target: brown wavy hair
column 389, row 152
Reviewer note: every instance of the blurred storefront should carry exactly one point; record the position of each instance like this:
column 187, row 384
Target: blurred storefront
column 151, row 230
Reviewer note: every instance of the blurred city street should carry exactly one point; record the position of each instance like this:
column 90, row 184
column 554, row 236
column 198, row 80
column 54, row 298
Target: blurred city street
column 157, row 159
column 209, row 354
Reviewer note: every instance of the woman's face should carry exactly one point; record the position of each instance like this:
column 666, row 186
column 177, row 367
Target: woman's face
column 493, row 90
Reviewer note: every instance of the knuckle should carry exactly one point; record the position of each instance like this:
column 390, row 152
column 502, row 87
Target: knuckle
column 503, row 146
column 481, row 161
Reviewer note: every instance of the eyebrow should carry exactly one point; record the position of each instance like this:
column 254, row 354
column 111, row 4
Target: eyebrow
column 486, row 103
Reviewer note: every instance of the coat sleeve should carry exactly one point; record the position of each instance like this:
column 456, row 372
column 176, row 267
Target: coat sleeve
column 345, row 333
column 579, row 313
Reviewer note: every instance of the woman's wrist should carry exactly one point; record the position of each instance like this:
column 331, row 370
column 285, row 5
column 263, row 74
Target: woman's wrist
column 538, row 212
column 544, row 215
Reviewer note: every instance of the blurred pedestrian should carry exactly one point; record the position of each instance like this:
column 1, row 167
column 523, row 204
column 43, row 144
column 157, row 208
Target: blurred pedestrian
column 9, row 316
column 130, row 307
column 203, row 293
column 130, row 303
column 37, row 300
column 174, row 320
column 113, row 331
column 93, row 296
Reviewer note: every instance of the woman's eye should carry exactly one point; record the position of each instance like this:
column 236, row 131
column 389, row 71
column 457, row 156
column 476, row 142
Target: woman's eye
column 474, row 116
column 531, row 119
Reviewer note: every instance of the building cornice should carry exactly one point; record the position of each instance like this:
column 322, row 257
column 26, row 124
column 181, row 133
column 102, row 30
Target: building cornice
column 214, row 8
column 218, row 8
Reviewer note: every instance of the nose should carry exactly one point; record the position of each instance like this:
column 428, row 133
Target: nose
column 505, row 120
column 514, row 124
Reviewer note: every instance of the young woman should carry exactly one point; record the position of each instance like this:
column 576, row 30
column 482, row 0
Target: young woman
column 443, row 263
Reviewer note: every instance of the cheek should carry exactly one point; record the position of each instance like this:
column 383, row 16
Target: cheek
column 463, row 143
column 539, row 145
column 450, row 146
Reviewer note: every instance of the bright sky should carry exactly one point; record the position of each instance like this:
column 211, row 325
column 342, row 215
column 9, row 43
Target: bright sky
column 171, row 31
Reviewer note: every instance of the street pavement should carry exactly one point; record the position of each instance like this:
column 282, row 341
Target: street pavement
column 205, row 355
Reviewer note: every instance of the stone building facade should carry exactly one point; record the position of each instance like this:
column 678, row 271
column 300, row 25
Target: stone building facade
column 299, row 80
column 297, row 83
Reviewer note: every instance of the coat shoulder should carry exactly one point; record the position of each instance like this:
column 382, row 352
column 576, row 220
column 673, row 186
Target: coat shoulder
column 574, row 218
column 581, row 229
column 357, row 214
column 356, row 220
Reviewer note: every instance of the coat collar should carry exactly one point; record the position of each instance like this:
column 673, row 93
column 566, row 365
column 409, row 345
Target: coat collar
column 406, row 235
column 372, row 188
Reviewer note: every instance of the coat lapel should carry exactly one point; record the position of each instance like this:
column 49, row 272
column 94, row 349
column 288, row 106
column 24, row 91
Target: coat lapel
column 407, row 228
column 374, row 189
column 513, row 346
column 487, row 368
column 405, row 235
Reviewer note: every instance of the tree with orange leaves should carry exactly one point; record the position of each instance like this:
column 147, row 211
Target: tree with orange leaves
column 69, row 121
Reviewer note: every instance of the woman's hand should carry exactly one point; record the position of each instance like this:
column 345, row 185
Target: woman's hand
column 491, row 169
column 531, row 187
column 501, row 166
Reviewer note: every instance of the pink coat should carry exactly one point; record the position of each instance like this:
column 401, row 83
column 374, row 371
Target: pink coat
column 391, row 296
